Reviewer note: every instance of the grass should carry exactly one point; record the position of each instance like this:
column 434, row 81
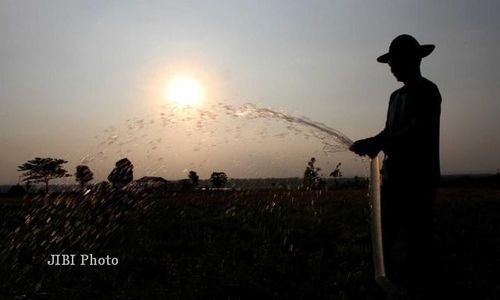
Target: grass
column 232, row 245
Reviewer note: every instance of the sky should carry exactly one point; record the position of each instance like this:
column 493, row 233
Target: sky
column 85, row 81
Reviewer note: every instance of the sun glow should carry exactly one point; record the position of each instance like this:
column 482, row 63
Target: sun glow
column 184, row 91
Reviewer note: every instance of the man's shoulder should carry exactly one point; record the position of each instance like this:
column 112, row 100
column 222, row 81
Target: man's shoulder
column 425, row 88
column 396, row 92
column 427, row 84
column 430, row 90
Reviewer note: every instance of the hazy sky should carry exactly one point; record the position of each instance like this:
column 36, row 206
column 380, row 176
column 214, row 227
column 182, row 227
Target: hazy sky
column 86, row 79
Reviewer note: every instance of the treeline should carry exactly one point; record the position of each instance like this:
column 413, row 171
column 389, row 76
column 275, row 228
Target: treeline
column 43, row 170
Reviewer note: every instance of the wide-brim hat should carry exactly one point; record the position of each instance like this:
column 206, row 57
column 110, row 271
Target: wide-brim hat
column 406, row 47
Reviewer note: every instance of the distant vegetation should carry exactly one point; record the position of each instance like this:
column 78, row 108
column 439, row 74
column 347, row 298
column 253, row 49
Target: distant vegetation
column 43, row 170
column 312, row 180
column 83, row 175
column 194, row 178
column 122, row 174
column 218, row 179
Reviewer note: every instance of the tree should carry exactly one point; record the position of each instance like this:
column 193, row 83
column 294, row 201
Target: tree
column 194, row 178
column 83, row 175
column 122, row 174
column 336, row 174
column 218, row 179
column 43, row 170
column 312, row 180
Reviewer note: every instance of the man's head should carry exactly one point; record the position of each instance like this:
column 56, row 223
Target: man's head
column 404, row 57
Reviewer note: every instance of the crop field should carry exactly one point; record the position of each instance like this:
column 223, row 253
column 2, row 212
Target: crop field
column 276, row 244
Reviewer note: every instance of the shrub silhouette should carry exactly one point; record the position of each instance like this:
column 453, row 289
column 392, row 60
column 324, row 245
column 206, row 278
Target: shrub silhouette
column 312, row 180
column 194, row 178
column 336, row 174
column 218, row 179
column 122, row 174
column 83, row 175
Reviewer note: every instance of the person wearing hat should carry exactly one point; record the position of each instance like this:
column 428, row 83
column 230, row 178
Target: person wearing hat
column 411, row 170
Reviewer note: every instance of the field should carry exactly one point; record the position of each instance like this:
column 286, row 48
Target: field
column 233, row 245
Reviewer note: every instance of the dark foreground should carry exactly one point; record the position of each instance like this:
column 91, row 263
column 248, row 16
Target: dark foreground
column 233, row 245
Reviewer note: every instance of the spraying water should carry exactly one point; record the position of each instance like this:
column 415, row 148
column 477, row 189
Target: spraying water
column 332, row 139
column 151, row 131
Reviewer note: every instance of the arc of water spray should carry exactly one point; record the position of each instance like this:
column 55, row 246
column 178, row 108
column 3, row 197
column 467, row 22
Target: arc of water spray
column 344, row 140
column 256, row 111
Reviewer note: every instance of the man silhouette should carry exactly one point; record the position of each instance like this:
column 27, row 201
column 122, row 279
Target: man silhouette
column 411, row 171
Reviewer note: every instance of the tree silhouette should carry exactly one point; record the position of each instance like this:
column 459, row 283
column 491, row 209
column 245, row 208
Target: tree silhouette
column 312, row 180
column 218, row 179
column 122, row 174
column 43, row 170
column 336, row 174
column 83, row 175
column 194, row 178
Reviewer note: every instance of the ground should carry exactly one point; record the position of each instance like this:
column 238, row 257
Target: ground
column 233, row 245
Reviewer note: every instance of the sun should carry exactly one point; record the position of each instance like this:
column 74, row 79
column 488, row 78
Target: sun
column 184, row 91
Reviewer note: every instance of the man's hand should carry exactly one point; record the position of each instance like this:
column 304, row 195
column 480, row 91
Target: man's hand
column 365, row 147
